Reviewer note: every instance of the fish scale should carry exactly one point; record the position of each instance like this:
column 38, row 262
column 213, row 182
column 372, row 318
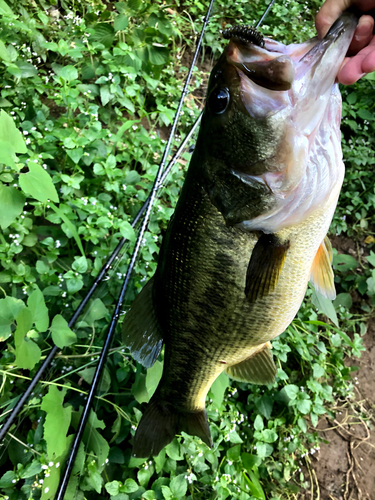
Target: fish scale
column 249, row 229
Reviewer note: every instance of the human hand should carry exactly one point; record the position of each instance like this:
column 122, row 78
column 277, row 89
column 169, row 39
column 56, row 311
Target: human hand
column 362, row 48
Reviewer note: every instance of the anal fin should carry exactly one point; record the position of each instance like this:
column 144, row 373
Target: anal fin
column 141, row 330
column 257, row 369
column 321, row 271
column 266, row 263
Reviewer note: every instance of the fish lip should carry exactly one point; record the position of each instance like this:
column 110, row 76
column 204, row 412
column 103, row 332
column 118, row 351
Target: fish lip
column 260, row 64
column 347, row 21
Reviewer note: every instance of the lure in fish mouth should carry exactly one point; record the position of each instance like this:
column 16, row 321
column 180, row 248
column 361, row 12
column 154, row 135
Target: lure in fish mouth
column 248, row 232
column 263, row 123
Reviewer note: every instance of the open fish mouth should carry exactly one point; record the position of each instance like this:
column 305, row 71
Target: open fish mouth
column 299, row 68
column 293, row 108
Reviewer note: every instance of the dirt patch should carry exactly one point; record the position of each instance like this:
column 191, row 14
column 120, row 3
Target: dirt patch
column 344, row 469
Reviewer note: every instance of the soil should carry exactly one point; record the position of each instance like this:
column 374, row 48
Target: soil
column 344, row 468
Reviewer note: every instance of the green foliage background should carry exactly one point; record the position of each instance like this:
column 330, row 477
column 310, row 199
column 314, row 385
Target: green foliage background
column 88, row 91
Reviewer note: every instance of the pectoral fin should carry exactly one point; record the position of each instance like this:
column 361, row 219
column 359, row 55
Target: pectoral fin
column 321, row 271
column 142, row 333
column 265, row 266
column 257, row 369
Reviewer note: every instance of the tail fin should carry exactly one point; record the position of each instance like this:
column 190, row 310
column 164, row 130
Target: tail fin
column 161, row 422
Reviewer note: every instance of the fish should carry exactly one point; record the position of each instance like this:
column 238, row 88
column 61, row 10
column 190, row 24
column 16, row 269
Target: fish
column 249, row 229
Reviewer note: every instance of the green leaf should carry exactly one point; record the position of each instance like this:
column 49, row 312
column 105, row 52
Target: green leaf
column 304, row 406
column 121, row 22
column 68, row 73
column 343, row 299
column 30, row 240
column 344, row 263
column 173, row 450
column 97, row 310
column 6, row 480
column 105, row 94
column 27, row 351
column 130, row 486
column 62, row 335
column 288, row 393
column 104, row 34
column 28, row 354
column 80, row 264
column 138, row 389
column 153, row 377
column 126, row 230
column 234, row 453
column 269, row 436
column 264, row 449
column 88, row 374
column 32, row 469
column 113, row 487
column 365, row 114
column 75, row 154
column 134, row 4
column 255, row 486
column 157, row 55
column 11, row 141
column 302, row 424
column 57, row 421
column 12, row 202
column 5, row 9
column 371, row 258
column 70, row 226
column 218, row 389
column 325, row 306
column 4, row 54
column 250, row 461
column 38, row 184
column 318, row 371
column 258, row 423
column 265, row 405
column 178, row 486
column 27, row 69
column 234, row 437
column 95, row 442
column 39, row 310
column 41, row 267
column 9, row 310
column 74, row 285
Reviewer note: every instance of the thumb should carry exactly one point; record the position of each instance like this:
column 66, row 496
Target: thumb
column 329, row 12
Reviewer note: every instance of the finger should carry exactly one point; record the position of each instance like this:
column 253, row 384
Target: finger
column 362, row 35
column 330, row 11
column 355, row 67
column 350, row 72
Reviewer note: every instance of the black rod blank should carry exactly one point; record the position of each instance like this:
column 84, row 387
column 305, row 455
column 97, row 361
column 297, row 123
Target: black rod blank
column 43, row 367
column 101, row 363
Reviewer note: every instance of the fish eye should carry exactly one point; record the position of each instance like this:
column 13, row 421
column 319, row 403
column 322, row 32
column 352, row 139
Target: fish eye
column 219, row 100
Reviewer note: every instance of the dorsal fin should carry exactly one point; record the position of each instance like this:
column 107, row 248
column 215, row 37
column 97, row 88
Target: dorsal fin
column 142, row 333
column 257, row 369
column 321, row 271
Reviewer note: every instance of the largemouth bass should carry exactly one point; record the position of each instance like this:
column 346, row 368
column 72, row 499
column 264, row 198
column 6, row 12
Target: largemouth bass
column 249, row 229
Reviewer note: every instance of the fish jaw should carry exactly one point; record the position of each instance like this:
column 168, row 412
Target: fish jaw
column 311, row 158
column 279, row 134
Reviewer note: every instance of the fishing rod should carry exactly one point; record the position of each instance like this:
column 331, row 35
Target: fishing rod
column 102, row 358
column 147, row 206
column 103, row 272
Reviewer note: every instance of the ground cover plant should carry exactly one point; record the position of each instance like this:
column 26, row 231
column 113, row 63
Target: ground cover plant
column 88, row 92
